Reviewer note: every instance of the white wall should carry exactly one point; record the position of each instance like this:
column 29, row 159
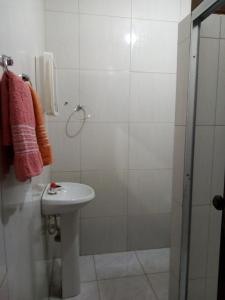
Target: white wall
column 185, row 8
column 22, row 37
column 125, row 150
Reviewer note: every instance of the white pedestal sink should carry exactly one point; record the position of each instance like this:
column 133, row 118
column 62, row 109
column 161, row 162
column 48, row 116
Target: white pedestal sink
column 66, row 203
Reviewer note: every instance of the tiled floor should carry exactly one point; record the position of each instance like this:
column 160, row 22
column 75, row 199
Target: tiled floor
column 140, row 275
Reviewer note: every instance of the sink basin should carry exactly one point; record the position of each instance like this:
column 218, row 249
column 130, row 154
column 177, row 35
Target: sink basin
column 66, row 202
column 71, row 197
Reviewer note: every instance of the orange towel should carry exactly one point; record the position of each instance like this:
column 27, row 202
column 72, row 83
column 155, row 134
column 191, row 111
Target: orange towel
column 41, row 133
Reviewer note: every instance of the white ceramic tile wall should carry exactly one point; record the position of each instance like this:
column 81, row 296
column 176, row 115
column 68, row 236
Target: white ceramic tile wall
column 208, row 72
column 214, row 243
column 178, row 163
column 199, row 241
column 149, row 231
column 176, row 225
column 109, row 8
column 211, row 27
column 66, row 151
column 66, row 93
column 220, row 118
column 103, row 92
column 211, row 288
column 196, row 289
column 103, row 234
column 218, row 161
column 148, row 51
column 151, row 146
column 160, row 10
column 110, row 201
column 106, row 37
column 66, row 176
column 107, row 150
column 62, row 35
column 185, row 8
column 149, row 191
column 160, row 106
column 65, row 6
column 122, row 74
column 203, row 164
column 222, row 32
column 22, row 37
column 184, row 29
column 183, row 77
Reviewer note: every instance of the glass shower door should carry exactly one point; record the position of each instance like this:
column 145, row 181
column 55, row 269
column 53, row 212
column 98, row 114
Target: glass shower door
column 207, row 261
column 219, row 204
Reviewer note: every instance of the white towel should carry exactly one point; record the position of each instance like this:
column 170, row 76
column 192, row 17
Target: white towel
column 46, row 70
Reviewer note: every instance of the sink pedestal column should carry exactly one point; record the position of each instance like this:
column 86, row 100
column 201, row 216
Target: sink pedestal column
column 70, row 254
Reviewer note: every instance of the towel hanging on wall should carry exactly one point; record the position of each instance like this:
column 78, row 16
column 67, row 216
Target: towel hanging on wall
column 18, row 126
column 46, row 73
column 41, row 133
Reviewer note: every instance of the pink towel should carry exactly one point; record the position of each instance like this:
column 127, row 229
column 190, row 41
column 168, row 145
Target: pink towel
column 6, row 140
column 18, row 126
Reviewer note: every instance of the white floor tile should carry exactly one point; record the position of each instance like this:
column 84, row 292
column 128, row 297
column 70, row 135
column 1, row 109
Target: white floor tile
column 4, row 293
column 130, row 288
column 134, row 285
column 117, row 265
column 89, row 291
column 160, row 285
column 154, row 260
column 87, row 269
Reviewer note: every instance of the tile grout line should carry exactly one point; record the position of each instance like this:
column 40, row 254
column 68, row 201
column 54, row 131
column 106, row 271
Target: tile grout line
column 128, row 129
column 111, row 170
column 79, row 79
column 97, row 281
column 126, row 122
column 114, row 71
column 150, row 284
column 83, row 13
column 80, row 135
column 129, row 276
column 145, row 275
column 139, row 261
column 131, row 215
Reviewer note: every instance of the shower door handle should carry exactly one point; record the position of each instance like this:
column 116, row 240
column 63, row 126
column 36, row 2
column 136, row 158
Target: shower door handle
column 219, row 202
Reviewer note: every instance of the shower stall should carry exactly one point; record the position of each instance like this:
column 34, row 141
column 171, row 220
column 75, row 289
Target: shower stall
column 197, row 250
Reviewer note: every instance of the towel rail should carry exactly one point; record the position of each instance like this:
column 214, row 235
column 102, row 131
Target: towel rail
column 5, row 61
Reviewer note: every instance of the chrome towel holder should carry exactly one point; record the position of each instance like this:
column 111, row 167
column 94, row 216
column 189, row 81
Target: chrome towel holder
column 5, row 61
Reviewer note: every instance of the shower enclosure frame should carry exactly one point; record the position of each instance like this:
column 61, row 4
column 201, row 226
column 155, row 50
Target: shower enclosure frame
column 201, row 12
